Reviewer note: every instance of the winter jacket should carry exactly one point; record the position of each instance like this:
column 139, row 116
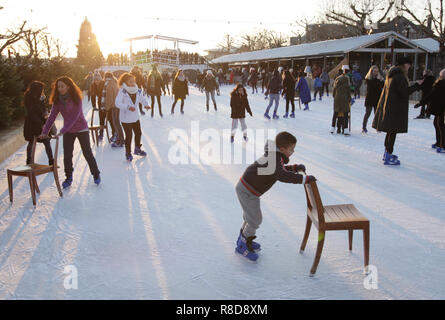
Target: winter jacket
column 427, row 85
column 374, row 88
column 124, row 102
column 274, row 86
column 209, row 83
column 357, row 79
column 73, row 118
column 392, row 110
column 154, row 85
column 435, row 99
column 180, row 89
column 239, row 105
column 253, row 78
column 259, row 182
column 111, row 93
column 318, row 83
column 289, row 86
column 96, row 92
column 325, row 77
column 35, row 117
column 304, row 91
column 342, row 95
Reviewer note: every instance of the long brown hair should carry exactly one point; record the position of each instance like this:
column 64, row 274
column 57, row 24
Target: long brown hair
column 34, row 90
column 124, row 78
column 235, row 91
column 73, row 90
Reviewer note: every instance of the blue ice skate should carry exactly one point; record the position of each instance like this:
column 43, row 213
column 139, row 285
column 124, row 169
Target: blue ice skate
column 241, row 239
column 286, row 115
column 97, row 179
column 391, row 160
column 292, row 115
column 67, row 183
column 266, row 115
column 129, row 157
column 244, row 248
column 434, row 146
column 139, row 152
column 275, row 116
column 440, row 150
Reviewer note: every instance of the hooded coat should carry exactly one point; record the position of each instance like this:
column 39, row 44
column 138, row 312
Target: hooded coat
column 239, row 105
column 435, row 99
column 304, row 91
column 392, row 110
column 342, row 94
column 374, row 89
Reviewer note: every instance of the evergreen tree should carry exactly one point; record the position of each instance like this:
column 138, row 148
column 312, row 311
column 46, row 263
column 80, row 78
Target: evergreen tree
column 88, row 50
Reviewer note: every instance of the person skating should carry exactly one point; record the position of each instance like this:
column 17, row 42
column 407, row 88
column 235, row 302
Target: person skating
column 318, row 88
column 357, row 81
column 426, row 88
column 303, row 90
column 180, row 90
column 273, row 92
column 436, row 106
column 289, row 92
column 210, row 86
column 35, row 119
column 253, row 80
column 374, row 87
column 137, row 73
column 326, row 80
column 342, row 102
column 239, row 104
column 66, row 99
column 111, row 89
column 257, row 180
column 97, row 88
column 392, row 111
column 127, row 100
column 155, row 85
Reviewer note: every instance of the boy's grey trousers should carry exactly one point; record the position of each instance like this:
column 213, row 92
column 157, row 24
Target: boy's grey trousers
column 251, row 210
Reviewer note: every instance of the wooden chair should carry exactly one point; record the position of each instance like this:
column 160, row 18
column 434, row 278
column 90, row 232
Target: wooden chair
column 33, row 170
column 338, row 217
column 96, row 129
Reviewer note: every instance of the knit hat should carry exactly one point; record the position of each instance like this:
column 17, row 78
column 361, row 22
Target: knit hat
column 404, row 60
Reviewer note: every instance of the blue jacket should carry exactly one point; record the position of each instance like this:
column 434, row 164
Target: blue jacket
column 318, row 83
column 305, row 92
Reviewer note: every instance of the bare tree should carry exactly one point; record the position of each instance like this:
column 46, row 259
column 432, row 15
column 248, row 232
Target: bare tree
column 432, row 20
column 228, row 43
column 33, row 40
column 357, row 14
column 11, row 37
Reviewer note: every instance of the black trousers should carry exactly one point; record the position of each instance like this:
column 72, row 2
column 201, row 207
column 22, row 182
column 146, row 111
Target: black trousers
column 389, row 142
column 49, row 151
column 176, row 101
column 68, row 147
column 129, row 128
column 254, row 87
column 367, row 114
column 325, row 88
column 440, row 131
column 334, row 119
column 158, row 98
column 319, row 91
column 290, row 98
column 109, row 115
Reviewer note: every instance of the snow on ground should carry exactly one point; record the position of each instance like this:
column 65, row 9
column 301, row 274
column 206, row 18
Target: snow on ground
column 155, row 230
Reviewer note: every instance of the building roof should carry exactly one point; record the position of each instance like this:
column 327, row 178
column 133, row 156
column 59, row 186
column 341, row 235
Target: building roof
column 322, row 48
column 429, row 43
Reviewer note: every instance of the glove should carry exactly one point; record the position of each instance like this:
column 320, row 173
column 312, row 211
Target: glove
column 417, row 105
column 309, row 179
column 300, row 167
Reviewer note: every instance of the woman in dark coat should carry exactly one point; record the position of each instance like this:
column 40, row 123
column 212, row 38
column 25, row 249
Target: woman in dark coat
column 35, row 119
column 374, row 87
column 426, row 88
column 436, row 106
column 303, row 90
column 342, row 102
column 154, row 88
column 289, row 92
column 239, row 105
column 392, row 111
column 180, row 90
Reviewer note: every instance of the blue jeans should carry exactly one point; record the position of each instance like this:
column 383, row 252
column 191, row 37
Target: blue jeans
column 273, row 97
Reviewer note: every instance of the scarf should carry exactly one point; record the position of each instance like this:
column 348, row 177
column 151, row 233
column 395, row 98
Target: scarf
column 104, row 91
column 181, row 77
column 64, row 98
column 130, row 90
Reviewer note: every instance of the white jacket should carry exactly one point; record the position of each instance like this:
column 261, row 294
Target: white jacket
column 124, row 102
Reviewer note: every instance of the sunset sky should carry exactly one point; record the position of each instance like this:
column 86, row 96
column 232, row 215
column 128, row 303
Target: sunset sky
column 113, row 20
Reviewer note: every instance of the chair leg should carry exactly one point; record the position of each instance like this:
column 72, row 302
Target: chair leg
column 92, row 136
column 306, row 234
column 366, row 245
column 321, row 236
column 11, row 193
column 96, row 132
column 351, row 234
column 56, row 179
column 33, row 191
column 36, row 186
column 108, row 134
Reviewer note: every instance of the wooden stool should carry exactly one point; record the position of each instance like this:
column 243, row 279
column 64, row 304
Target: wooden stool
column 96, row 129
column 33, row 170
column 338, row 217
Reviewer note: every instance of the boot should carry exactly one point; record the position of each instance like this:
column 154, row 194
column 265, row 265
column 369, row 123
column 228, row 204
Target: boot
column 139, row 152
column 68, row 181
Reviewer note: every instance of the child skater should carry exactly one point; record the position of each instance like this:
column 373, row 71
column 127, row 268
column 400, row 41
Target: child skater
column 239, row 105
column 127, row 101
column 257, row 180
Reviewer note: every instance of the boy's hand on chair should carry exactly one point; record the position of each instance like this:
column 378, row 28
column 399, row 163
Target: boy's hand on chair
column 309, row 179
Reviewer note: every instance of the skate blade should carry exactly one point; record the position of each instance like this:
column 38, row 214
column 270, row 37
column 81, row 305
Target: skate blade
column 244, row 258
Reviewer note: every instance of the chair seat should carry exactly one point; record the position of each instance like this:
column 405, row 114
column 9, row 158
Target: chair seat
column 96, row 127
column 344, row 216
column 36, row 168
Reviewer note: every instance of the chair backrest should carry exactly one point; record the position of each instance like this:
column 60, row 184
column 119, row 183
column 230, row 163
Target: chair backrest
column 56, row 150
column 92, row 117
column 314, row 203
